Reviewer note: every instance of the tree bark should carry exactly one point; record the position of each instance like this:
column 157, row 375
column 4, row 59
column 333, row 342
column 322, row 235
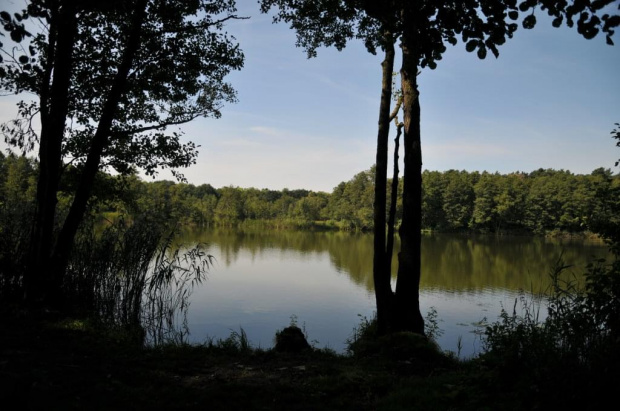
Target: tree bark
column 393, row 200
column 54, row 108
column 407, row 309
column 66, row 237
column 381, row 277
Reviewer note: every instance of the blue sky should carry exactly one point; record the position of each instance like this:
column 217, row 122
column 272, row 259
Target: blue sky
column 550, row 100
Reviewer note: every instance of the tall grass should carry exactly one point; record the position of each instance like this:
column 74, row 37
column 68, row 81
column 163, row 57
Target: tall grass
column 15, row 225
column 130, row 277
column 572, row 356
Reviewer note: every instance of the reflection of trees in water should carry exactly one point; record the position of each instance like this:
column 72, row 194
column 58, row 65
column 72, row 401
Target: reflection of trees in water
column 476, row 262
column 452, row 262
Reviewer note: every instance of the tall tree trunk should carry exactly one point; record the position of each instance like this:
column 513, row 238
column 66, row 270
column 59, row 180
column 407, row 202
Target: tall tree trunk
column 383, row 289
column 393, row 200
column 54, row 107
column 66, row 237
column 408, row 313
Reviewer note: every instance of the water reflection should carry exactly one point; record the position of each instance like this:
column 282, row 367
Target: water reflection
column 325, row 278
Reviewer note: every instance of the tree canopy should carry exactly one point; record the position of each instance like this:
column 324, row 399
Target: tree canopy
column 111, row 78
column 177, row 76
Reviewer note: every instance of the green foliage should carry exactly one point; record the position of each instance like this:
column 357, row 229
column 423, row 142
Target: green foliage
column 458, row 198
column 164, row 88
column 352, row 202
column 404, row 346
column 499, row 202
column 17, row 191
column 571, row 356
column 539, row 202
column 433, row 187
column 431, row 327
column 130, row 277
column 236, row 343
column 481, row 25
column 364, row 336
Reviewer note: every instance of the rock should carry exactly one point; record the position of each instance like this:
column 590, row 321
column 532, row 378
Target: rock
column 291, row 339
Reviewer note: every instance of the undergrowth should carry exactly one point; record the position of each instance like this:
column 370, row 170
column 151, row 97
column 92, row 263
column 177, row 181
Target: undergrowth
column 131, row 277
column 569, row 358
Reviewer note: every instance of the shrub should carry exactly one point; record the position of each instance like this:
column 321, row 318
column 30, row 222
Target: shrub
column 572, row 356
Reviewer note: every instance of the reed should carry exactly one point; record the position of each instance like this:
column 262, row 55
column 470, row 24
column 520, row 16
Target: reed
column 130, row 276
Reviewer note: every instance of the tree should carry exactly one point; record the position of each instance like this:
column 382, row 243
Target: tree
column 510, row 203
column 111, row 78
column 433, row 187
column 229, row 209
column 458, row 199
column 423, row 28
column 485, row 205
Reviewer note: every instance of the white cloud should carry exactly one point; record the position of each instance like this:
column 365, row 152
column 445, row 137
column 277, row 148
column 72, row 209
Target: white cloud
column 238, row 143
column 269, row 131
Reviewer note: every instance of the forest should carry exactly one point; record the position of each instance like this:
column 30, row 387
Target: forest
column 542, row 202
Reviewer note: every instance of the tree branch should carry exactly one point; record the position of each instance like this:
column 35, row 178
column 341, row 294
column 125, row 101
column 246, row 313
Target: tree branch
column 394, row 114
column 203, row 26
column 163, row 125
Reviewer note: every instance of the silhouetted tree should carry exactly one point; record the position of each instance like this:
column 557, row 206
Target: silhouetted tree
column 423, row 28
column 111, row 77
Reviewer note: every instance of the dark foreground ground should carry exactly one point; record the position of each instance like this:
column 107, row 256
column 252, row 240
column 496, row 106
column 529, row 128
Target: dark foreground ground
column 64, row 365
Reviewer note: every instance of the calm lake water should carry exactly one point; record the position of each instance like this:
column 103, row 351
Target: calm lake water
column 262, row 278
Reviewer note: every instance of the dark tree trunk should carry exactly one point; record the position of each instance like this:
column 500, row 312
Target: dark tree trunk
column 383, row 289
column 407, row 308
column 393, row 200
column 66, row 237
column 54, row 107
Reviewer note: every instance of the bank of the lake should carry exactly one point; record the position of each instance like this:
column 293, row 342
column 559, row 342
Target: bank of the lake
column 50, row 363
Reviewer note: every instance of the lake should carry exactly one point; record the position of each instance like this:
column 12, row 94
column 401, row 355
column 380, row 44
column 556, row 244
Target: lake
column 323, row 280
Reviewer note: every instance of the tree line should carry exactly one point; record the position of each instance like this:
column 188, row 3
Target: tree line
column 538, row 202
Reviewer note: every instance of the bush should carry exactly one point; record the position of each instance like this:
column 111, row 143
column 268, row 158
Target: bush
column 571, row 358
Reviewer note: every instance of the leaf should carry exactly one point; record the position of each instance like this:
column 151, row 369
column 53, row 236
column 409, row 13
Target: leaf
column 471, row 45
column 482, row 53
column 612, row 21
column 5, row 16
column 513, row 14
column 17, row 36
column 590, row 32
column 23, row 59
column 557, row 22
column 609, row 40
column 495, row 51
column 529, row 22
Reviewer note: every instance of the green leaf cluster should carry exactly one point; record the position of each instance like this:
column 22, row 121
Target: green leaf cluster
column 177, row 76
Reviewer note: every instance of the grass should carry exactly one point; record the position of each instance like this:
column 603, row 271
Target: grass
column 51, row 363
column 69, row 364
